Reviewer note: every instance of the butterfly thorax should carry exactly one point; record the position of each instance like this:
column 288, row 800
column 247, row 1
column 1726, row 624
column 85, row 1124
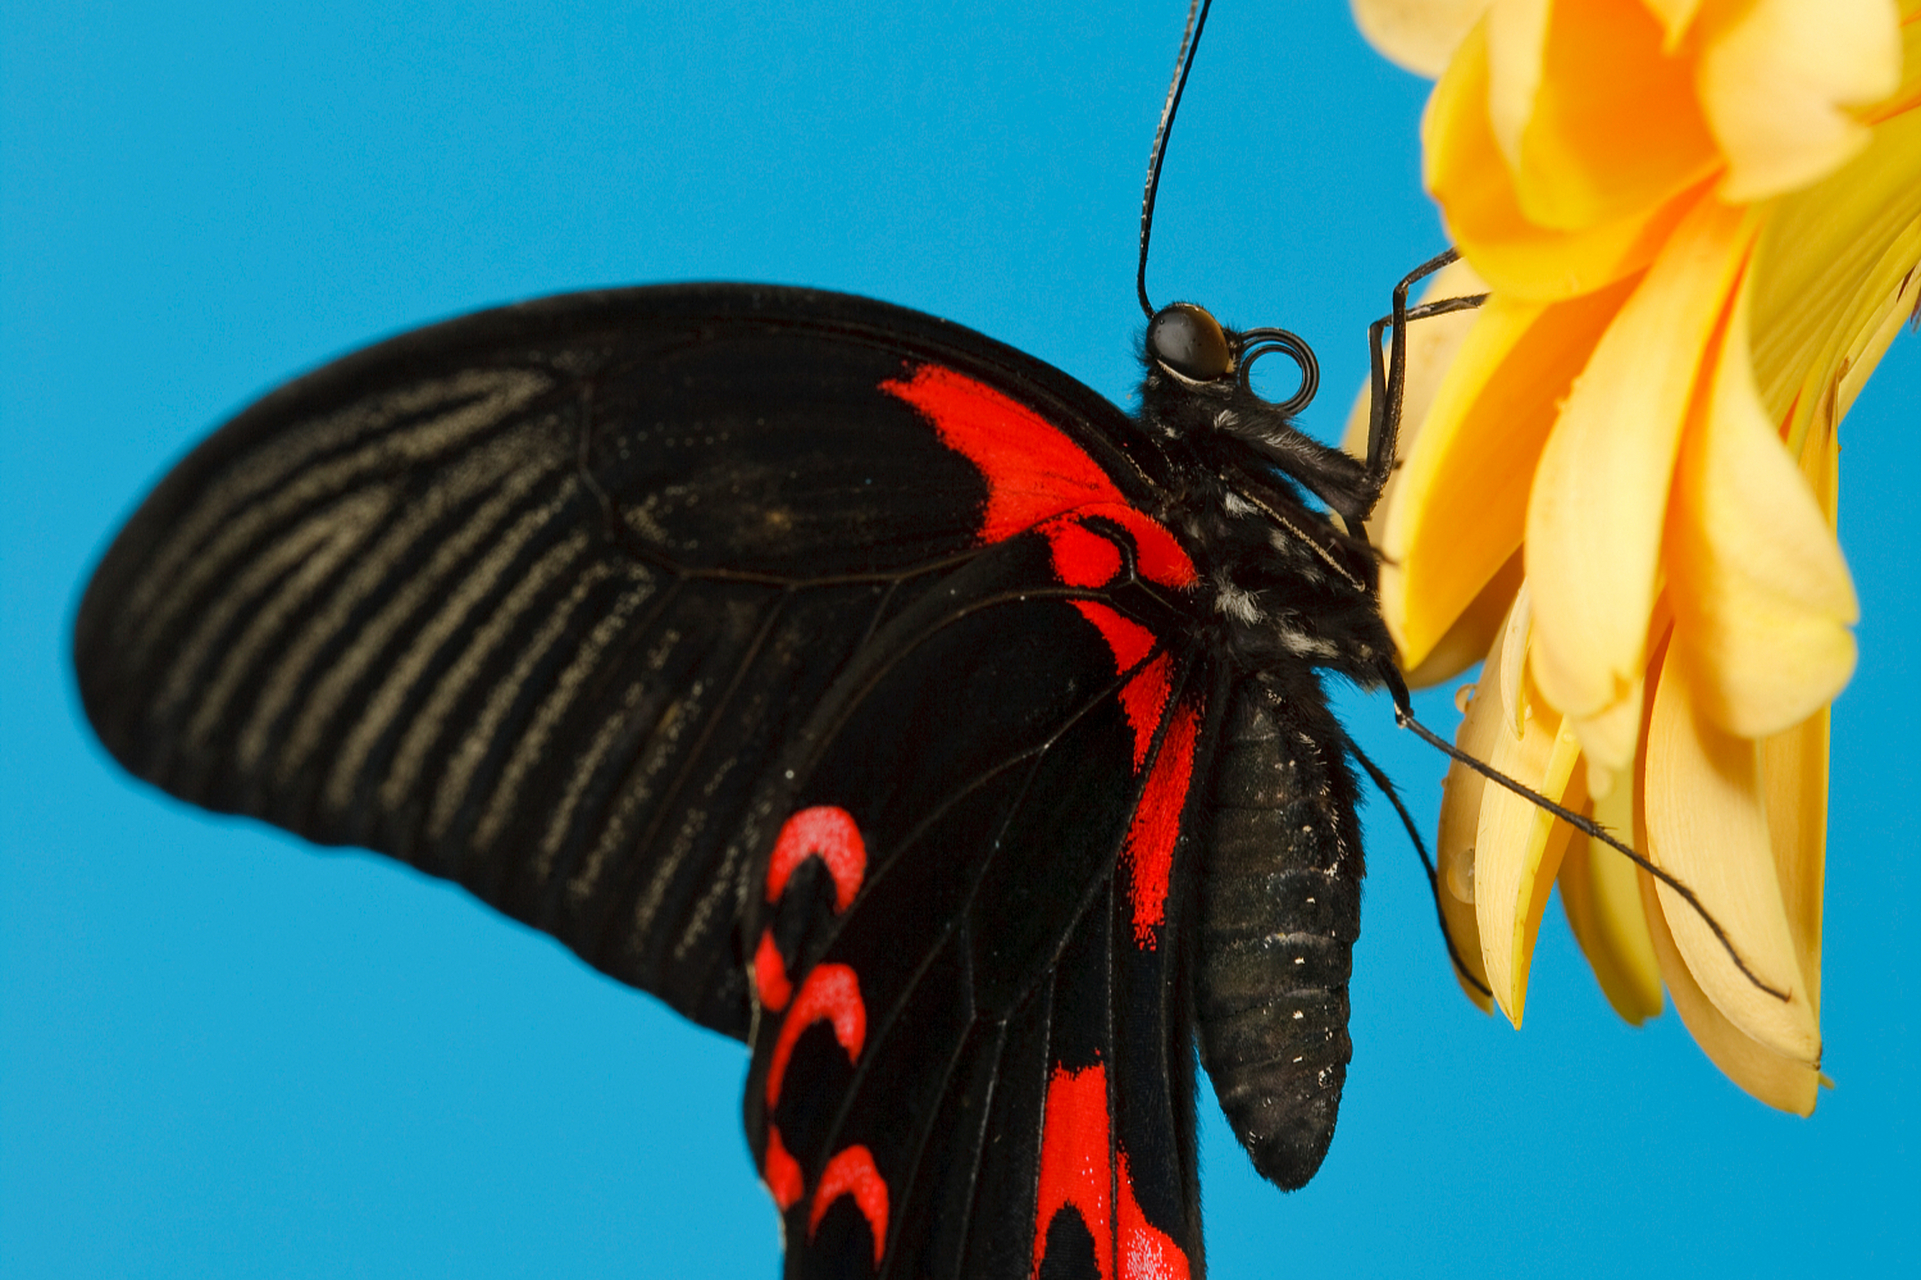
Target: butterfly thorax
column 1290, row 587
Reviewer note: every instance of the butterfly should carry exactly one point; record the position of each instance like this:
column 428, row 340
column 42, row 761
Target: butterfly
column 863, row 688
column 868, row 691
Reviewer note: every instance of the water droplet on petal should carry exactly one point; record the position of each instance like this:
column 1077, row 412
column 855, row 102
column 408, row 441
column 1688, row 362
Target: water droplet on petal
column 1459, row 874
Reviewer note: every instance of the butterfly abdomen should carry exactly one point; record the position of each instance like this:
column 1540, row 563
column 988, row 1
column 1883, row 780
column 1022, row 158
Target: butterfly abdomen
column 1280, row 901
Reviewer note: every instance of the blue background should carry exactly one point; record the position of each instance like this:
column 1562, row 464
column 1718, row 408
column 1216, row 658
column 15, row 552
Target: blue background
column 221, row 1054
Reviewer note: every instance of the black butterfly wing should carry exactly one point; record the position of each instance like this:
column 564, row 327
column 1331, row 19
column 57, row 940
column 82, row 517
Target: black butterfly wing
column 581, row 603
column 531, row 599
column 972, row 1055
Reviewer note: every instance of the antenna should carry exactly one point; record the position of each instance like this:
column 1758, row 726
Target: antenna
column 1183, row 63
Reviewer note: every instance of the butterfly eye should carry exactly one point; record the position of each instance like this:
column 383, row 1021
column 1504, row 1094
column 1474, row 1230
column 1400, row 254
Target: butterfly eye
column 1185, row 340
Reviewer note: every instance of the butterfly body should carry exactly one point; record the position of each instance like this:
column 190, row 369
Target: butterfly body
column 863, row 688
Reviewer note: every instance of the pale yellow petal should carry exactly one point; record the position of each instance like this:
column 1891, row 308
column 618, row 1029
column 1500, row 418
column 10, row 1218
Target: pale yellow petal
column 1612, row 127
column 1608, row 736
column 1460, row 501
column 1461, row 792
column 1418, row 34
column 1762, row 595
column 1779, row 1080
column 1901, row 311
column 1599, row 500
column 1795, row 764
column 1601, row 893
column 1775, row 79
column 1516, row 44
column 1517, row 847
column 1466, row 173
column 1828, row 273
column 1707, row 825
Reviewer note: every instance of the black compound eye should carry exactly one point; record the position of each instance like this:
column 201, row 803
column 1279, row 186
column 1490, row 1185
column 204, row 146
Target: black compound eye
column 1188, row 341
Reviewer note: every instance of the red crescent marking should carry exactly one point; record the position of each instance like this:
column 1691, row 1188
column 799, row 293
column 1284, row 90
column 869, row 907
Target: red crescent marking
column 1082, row 558
column 781, row 1172
column 770, row 973
column 852, row 1172
column 823, row 832
column 1147, row 1252
column 1033, row 470
column 1149, row 847
column 1076, row 1170
column 829, row 993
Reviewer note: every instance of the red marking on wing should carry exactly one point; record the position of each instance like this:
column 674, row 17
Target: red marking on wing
column 1033, row 470
column 852, row 1172
column 1149, row 847
column 829, row 993
column 1160, row 555
column 1075, row 1167
column 770, row 973
column 1082, row 558
column 1079, row 1164
column 823, row 832
column 1143, row 698
column 1128, row 640
column 781, row 1172
column 1147, row 1252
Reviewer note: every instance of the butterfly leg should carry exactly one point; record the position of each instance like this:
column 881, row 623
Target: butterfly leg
column 1388, row 383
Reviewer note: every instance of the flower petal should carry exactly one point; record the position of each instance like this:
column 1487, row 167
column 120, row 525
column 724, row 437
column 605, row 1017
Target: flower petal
column 1829, row 269
column 1599, row 499
column 1675, row 17
column 1601, row 893
column 1461, row 792
column 1760, row 590
column 1774, row 81
column 1776, row 1079
column 1608, row 124
column 1518, row 845
column 1707, row 825
column 1418, row 34
column 1467, row 641
column 1516, row 46
column 1460, row 500
column 1795, row 765
column 1466, row 172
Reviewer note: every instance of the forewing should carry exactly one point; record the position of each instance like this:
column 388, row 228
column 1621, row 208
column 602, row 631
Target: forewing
column 970, row 1055
column 535, row 599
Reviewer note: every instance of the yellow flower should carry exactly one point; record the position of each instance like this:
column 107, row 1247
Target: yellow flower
column 1700, row 222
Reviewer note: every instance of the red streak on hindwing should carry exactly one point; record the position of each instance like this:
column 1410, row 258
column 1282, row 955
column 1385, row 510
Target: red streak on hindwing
column 1033, row 470
column 825, row 832
column 781, row 1172
column 1080, row 1167
column 770, row 973
column 852, row 1173
column 829, row 993
column 1149, row 847
column 1143, row 698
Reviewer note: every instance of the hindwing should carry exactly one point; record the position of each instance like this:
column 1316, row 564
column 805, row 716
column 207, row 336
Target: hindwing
column 973, row 1055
